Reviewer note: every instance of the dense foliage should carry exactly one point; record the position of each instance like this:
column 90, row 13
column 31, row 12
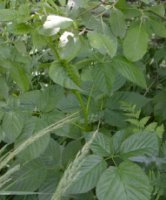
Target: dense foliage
column 82, row 100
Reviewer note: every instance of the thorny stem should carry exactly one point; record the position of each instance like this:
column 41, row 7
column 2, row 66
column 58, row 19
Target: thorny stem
column 75, row 92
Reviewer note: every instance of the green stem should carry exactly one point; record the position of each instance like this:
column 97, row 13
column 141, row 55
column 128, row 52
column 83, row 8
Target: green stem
column 83, row 108
column 74, row 79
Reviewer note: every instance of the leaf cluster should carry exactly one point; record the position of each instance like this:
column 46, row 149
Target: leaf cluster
column 82, row 100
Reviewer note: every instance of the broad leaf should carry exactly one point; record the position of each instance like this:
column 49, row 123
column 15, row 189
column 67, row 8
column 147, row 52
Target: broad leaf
column 158, row 9
column 70, row 151
column 60, row 76
column 49, row 185
column 143, row 143
column 3, row 89
column 102, row 145
column 125, row 182
column 12, row 126
column 7, row 15
column 35, row 149
column 117, row 23
column 103, row 76
column 29, row 178
column 19, row 75
column 135, row 43
column 103, row 43
column 71, row 49
column 157, row 27
column 129, row 70
column 87, row 175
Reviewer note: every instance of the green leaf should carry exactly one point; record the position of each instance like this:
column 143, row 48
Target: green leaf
column 71, row 49
column 147, row 1
column 117, row 140
column 12, row 126
column 7, row 15
column 59, row 75
column 39, row 41
column 158, row 27
column 103, row 76
column 129, row 70
column 28, row 178
column 143, row 143
column 4, row 89
column 19, row 75
column 52, row 155
column 55, row 23
column 103, row 43
column 70, row 151
column 48, row 186
column 101, row 145
column 35, row 149
column 158, row 9
column 135, row 43
column 117, row 23
column 87, row 175
column 125, row 182
column 21, row 28
column 114, row 118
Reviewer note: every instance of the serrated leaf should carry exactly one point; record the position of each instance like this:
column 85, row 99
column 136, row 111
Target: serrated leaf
column 103, row 43
column 19, row 75
column 133, row 121
column 135, row 43
column 125, row 182
column 59, row 75
column 7, row 15
column 143, row 143
column 87, row 175
column 157, row 27
column 71, row 49
column 129, row 70
column 35, row 149
column 151, row 127
column 28, row 178
column 117, row 23
column 48, row 186
column 103, row 76
column 160, row 130
column 70, row 151
column 4, row 89
column 158, row 9
column 102, row 145
column 144, row 121
column 12, row 126
column 52, row 155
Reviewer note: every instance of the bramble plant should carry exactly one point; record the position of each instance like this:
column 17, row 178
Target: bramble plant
column 82, row 100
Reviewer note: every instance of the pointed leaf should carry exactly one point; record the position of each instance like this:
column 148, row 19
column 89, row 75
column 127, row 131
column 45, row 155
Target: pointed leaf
column 59, row 75
column 117, row 23
column 12, row 126
column 7, row 15
column 28, row 178
column 103, row 43
column 20, row 77
column 87, row 175
column 129, row 70
column 144, row 143
column 101, row 145
column 135, row 43
column 125, row 182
